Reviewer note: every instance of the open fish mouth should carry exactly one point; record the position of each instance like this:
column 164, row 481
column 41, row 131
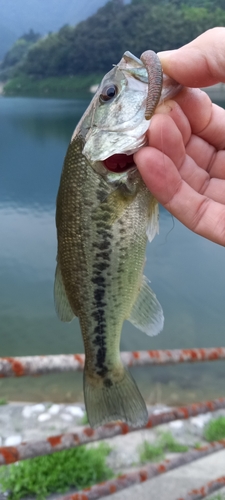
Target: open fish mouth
column 119, row 163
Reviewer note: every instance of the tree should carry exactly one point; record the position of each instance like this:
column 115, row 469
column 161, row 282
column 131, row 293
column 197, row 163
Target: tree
column 31, row 36
column 94, row 45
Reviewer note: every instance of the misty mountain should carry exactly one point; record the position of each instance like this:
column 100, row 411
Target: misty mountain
column 43, row 16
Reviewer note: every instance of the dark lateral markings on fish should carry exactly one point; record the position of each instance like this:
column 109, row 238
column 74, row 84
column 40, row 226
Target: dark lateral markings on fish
column 104, row 216
column 99, row 304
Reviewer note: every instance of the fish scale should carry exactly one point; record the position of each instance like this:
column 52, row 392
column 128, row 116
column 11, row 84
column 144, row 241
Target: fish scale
column 103, row 219
column 97, row 267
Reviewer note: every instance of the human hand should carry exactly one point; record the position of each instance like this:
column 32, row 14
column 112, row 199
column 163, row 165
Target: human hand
column 184, row 164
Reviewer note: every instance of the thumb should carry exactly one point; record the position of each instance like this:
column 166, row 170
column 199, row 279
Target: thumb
column 200, row 63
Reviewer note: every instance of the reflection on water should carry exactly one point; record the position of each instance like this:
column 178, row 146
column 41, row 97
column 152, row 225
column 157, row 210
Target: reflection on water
column 186, row 271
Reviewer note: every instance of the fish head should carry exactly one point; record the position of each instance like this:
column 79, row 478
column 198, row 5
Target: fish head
column 114, row 125
column 118, row 122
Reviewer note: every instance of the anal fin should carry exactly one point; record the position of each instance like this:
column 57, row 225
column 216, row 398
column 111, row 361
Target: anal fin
column 147, row 313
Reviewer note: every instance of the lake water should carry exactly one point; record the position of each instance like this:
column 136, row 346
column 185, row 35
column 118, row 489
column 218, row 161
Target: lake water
column 186, row 271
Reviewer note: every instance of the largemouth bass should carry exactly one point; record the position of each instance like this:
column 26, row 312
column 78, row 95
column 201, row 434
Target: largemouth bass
column 104, row 216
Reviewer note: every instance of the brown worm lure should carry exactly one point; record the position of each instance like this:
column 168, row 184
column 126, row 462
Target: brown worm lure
column 155, row 81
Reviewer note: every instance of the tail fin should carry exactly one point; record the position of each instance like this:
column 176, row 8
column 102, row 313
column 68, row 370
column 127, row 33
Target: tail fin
column 110, row 400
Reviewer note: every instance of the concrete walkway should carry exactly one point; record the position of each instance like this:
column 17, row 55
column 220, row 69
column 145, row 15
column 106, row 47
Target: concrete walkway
column 30, row 422
column 177, row 483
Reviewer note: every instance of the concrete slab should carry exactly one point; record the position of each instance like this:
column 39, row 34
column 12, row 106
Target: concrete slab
column 177, row 483
column 218, row 495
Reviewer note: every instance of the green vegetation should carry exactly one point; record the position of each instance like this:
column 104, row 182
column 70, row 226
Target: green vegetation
column 208, row 4
column 218, row 497
column 15, row 57
column 95, row 44
column 151, row 452
column 92, row 46
column 84, row 420
column 41, row 476
column 198, row 445
column 169, row 443
column 165, row 443
column 3, row 402
column 215, row 430
column 64, row 85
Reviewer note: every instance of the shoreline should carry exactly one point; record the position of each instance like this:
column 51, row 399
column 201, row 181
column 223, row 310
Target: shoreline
column 70, row 86
column 67, row 86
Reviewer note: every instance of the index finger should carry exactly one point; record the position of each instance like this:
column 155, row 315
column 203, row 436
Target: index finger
column 199, row 213
column 207, row 120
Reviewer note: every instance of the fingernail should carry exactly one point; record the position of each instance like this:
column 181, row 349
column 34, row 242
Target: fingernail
column 164, row 108
column 165, row 53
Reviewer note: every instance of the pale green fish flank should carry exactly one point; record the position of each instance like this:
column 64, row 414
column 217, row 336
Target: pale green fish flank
column 103, row 220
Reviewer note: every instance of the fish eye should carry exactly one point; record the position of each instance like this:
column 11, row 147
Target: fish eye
column 108, row 93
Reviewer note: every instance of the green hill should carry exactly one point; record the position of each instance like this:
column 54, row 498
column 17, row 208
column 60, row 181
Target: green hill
column 93, row 45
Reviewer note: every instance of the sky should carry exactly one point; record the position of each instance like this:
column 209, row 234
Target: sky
column 19, row 16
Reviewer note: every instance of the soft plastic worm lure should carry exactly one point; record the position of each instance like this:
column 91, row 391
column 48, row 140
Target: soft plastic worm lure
column 155, row 81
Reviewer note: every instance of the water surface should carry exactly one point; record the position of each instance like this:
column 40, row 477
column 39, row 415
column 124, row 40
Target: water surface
column 186, row 271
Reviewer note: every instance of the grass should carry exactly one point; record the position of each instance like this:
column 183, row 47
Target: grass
column 3, row 402
column 218, row 497
column 54, row 86
column 169, row 443
column 84, row 420
column 151, row 452
column 75, row 468
column 165, row 443
column 197, row 445
column 215, row 429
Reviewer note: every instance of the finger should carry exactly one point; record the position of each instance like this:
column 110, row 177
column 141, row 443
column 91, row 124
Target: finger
column 206, row 119
column 201, row 152
column 206, row 157
column 193, row 175
column 164, row 135
column 215, row 190
column 217, row 166
column 187, row 170
column 174, row 111
column 158, row 172
column 199, row 63
column 198, row 163
column 214, row 131
column 198, row 179
column 197, row 212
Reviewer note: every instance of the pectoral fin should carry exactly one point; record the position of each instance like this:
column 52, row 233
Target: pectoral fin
column 147, row 313
column 153, row 224
column 114, row 205
column 62, row 304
